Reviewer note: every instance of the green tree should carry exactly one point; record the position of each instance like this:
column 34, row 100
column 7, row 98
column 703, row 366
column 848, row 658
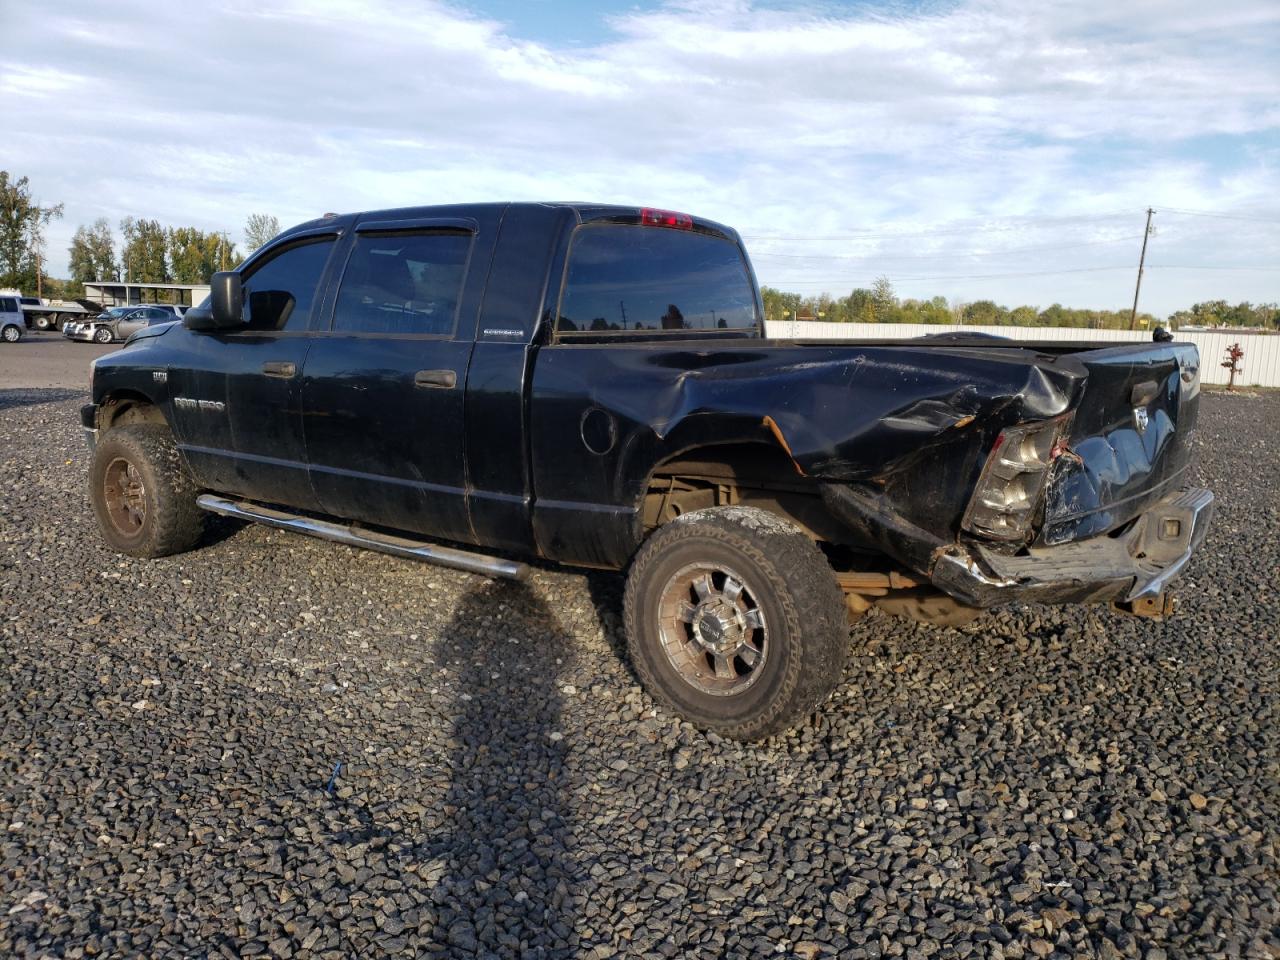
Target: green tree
column 191, row 254
column 1024, row 316
column 860, row 305
column 22, row 223
column 92, row 254
column 884, row 302
column 985, row 313
column 144, row 253
column 258, row 229
column 779, row 305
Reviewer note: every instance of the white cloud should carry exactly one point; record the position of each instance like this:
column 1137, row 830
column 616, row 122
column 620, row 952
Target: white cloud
column 969, row 128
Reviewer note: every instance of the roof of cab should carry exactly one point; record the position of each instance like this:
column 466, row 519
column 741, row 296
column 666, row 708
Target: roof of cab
column 584, row 212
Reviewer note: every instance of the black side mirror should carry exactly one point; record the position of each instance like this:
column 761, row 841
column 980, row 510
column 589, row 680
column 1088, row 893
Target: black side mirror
column 225, row 307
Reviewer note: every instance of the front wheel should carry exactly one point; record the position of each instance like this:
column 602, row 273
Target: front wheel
column 43, row 323
column 735, row 621
column 103, row 335
column 142, row 495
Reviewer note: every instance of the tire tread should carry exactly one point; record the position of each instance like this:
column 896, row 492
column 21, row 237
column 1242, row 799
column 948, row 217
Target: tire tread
column 809, row 594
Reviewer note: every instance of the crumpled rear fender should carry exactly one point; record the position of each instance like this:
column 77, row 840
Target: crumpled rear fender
column 914, row 419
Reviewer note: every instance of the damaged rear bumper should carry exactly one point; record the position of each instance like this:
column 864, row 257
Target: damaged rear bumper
column 1134, row 565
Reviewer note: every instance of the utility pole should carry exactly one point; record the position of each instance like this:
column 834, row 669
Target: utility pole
column 1133, row 317
column 39, row 286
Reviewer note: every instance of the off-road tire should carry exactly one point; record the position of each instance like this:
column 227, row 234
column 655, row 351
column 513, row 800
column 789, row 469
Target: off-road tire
column 793, row 585
column 172, row 523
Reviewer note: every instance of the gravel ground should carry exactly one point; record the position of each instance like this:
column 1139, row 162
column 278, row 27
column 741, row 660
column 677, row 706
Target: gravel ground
column 277, row 746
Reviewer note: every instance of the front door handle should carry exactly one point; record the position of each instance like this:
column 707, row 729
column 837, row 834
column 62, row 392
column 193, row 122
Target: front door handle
column 278, row 368
column 445, row 379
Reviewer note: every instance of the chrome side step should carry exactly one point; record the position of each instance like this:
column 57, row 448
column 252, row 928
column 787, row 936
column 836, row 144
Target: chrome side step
column 368, row 539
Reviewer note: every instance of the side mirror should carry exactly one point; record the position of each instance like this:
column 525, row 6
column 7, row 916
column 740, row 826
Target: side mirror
column 225, row 307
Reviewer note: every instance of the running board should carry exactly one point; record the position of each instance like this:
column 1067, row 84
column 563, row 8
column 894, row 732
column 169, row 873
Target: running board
column 368, row 539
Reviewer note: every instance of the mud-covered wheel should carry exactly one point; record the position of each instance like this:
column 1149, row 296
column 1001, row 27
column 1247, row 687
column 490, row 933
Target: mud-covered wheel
column 143, row 497
column 735, row 621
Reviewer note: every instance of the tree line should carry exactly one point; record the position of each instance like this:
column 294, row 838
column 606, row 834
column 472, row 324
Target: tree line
column 881, row 305
column 146, row 251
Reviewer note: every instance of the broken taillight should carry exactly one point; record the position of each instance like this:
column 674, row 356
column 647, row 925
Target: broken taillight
column 650, row 217
column 1004, row 503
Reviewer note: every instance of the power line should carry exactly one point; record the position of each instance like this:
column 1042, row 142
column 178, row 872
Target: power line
column 973, row 276
column 1201, row 266
column 1025, row 223
column 941, row 256
column 1218, row 216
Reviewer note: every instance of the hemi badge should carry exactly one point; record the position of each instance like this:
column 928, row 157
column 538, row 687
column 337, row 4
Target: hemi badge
column 160, row 376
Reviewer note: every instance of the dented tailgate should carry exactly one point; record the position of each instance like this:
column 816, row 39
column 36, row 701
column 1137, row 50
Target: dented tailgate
column 1130, row 440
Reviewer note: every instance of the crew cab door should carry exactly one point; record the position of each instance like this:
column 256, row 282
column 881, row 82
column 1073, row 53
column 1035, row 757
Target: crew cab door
column 236, row 405
column 383, row 389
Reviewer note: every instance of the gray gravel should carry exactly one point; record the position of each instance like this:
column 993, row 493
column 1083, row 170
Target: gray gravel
column 1042, row 783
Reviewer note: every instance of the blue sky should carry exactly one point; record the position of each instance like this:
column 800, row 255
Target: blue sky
column 971, row 148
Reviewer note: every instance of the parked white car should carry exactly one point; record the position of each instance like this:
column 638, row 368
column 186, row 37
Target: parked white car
column 120, row 323
column 11, row 322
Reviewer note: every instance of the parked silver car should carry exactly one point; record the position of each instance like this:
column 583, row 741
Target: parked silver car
column 119, row 323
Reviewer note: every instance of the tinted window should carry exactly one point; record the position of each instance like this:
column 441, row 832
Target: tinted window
column 8, row 304
column 280, row 294
column 634, row 278
column 403, row 283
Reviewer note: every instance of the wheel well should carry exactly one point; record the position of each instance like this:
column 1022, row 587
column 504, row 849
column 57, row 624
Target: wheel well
column 751, row 474
column 126, row 407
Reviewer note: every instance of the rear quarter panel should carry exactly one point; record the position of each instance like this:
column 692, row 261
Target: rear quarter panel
column 914, row 420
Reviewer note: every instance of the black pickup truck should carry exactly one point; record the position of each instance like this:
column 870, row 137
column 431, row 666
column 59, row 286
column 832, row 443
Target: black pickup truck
column 591, row 385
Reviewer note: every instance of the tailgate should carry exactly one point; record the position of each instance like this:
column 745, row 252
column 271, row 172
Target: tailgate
column 1130, row 440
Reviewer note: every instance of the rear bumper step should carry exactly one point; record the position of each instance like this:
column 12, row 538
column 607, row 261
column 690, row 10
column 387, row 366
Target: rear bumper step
column 368, row 539
column 1137, row 566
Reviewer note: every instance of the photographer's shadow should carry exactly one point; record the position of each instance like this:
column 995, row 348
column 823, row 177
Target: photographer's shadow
column 508, row 878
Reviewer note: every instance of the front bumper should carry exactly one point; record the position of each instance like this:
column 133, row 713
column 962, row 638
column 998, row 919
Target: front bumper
column 1134, row 565
column 84, row 333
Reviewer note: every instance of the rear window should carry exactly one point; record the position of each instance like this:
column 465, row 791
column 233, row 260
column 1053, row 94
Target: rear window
column 639, row 279
column 8, row 305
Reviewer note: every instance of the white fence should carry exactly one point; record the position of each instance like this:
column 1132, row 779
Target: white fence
column 1260, row 366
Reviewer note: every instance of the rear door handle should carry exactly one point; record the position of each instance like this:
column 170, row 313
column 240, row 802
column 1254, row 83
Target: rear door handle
column 445, row 379
column 279, row 368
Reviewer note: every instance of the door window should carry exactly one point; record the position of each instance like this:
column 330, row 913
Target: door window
column 280, row 294
column 403, row 283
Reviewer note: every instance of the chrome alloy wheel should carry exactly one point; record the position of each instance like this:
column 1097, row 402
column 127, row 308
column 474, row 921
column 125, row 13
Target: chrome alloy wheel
column 125, row 496
column 712, row 629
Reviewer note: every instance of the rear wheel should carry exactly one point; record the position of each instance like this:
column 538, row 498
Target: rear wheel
column 11, row 333
column 143, row 497
column 735, row 621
